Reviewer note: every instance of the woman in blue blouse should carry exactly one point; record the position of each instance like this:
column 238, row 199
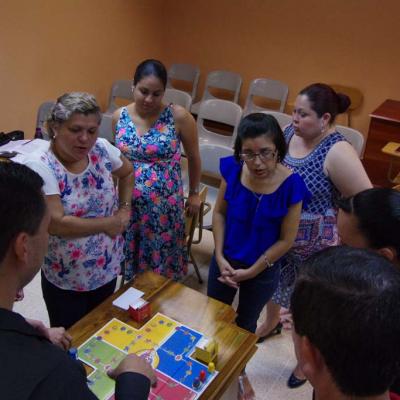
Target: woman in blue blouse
column 255, row 218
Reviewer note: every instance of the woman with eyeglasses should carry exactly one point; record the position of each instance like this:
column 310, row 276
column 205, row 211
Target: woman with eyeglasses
column 255, row 218
column 329, row 166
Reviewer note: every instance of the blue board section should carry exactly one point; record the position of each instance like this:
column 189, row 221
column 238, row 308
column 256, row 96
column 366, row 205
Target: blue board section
column 174, row 357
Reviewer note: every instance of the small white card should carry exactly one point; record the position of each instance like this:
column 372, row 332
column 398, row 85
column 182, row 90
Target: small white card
column 128, row 297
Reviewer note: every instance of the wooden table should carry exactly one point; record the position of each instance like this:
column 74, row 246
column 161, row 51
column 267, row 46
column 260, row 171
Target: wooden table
column 384, row 127
column 185, row 305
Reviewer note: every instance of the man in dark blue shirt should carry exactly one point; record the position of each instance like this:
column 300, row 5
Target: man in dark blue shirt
column 346, row 317
column 32, row 367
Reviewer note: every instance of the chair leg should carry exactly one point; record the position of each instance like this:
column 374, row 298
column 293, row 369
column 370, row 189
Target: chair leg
column 196, row 268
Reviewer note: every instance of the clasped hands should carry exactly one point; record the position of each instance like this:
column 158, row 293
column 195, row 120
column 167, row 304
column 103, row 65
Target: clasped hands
column 118, row 222
column 230, row 276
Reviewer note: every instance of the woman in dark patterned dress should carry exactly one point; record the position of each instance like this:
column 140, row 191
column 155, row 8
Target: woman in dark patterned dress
column 329, row 166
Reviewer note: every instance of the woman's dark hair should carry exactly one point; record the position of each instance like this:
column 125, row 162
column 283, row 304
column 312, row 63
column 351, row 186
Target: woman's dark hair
column 324, row 99
column 150, row 68
column 378, row 214
column 257, row 124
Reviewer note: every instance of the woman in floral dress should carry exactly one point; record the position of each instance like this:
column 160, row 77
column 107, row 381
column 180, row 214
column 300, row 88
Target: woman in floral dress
column 149, row 133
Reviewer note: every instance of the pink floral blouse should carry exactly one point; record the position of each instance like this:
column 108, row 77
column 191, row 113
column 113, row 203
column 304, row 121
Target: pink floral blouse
column 89, row 262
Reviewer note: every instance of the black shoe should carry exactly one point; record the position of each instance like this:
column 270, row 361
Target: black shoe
column 294, row 382
column 276, row 331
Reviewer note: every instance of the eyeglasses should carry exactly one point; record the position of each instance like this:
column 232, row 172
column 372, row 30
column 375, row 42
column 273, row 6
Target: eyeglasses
column 265, row 155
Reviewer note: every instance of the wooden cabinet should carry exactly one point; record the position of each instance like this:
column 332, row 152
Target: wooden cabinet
column 384, row 127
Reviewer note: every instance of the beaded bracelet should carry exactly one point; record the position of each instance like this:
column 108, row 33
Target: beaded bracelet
column 267, row 262
column 124, row 204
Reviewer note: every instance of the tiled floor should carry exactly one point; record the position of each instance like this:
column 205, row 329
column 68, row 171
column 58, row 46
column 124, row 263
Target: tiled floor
column 268, row 370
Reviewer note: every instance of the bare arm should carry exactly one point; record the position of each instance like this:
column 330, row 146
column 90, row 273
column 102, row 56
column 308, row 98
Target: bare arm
column 186, row 127
column 126, row 182
column 289, row 228
column 73, row 227
column 115, row 119
column 218, row 223
column 344, row 168
column 218, row 220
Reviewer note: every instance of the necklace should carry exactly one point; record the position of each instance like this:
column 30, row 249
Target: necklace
column 259, row 198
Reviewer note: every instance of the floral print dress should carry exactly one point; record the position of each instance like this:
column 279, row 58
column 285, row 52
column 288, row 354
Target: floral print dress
column 155, row 239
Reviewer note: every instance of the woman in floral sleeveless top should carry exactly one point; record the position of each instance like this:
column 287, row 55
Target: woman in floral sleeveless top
column 149, row 133
column 87, row 216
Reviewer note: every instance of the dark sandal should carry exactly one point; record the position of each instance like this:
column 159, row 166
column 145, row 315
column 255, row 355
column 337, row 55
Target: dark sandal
column 275, row 331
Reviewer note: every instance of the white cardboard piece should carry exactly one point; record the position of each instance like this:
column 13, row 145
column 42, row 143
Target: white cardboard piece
column 128, row 297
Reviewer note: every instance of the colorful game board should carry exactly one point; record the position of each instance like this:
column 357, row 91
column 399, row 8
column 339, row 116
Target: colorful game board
column 165, row 343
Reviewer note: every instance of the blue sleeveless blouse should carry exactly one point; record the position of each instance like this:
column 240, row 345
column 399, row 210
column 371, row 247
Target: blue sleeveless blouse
column 253, row 221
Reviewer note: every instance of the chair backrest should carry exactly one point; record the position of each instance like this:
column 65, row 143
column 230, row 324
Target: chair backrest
column 41, row 117
column 269, row 89
column 221, row 111
column 105, row 128
column 177, row 97
column 120, row 89
column 283, row 119
column 210, row 158
column 185, row 72
column 210, row 155
column 355, row 138
column 226, row 80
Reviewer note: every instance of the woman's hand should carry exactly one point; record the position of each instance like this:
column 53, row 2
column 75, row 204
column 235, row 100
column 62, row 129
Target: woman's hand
column 241, row 275
column 193, row 204
column 125, row 214
column 115, row 226
column 227, row 272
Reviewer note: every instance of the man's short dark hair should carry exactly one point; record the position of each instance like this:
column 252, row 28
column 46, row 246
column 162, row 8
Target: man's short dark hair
column 346, row 301
column 22, row 204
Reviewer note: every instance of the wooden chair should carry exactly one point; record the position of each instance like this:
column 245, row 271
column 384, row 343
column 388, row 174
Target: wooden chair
column 222, row 112
column 229, row 82
column 355, row 138
column 186, row 73
column 268, row 89
column 179, row 97
column 120, row 89
column 393, row 150
column 191, row 223
column 283, row 119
